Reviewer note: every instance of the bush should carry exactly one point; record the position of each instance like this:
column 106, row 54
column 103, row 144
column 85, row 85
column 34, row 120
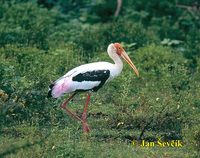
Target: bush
column 28, row 25
column 26, row 73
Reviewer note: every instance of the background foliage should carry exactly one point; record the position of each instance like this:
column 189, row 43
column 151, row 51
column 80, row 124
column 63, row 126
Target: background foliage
column 41, row 40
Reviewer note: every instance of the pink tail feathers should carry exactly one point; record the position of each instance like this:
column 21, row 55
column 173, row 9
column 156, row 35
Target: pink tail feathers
column 58, row 88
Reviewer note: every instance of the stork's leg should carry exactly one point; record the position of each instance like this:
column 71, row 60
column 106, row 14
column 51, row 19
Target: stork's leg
column 64, row 106
column 86, row 128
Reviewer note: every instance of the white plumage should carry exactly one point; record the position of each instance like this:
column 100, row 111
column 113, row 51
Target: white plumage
column 65, row 84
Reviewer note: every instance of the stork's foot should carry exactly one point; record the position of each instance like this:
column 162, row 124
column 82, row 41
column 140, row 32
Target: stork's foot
column 86, row 128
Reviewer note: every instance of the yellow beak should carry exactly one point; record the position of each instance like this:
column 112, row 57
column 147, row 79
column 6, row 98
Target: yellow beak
column 125, row 56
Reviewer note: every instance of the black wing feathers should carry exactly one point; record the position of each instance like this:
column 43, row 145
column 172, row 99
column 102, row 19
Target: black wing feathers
column 50, row 90
column 98, row 75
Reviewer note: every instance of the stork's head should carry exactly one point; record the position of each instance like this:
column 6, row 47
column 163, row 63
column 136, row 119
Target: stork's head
column 117, row 49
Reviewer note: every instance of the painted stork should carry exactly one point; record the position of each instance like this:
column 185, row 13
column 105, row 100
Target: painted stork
column 90, row 77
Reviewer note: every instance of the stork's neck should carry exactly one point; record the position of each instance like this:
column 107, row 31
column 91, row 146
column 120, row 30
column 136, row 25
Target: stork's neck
column 118, row 66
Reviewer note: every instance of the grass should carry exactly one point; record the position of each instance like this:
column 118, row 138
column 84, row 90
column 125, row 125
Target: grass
column 67, row 140
column 33, row 141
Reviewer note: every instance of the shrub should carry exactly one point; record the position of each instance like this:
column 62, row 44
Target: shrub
column 26, row 73
column 26, row 24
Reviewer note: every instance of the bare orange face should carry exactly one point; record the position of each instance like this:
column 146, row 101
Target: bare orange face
column 119, row 48
column 121, row 52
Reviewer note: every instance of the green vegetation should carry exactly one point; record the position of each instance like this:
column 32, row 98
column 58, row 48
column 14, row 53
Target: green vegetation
column 41, row 40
